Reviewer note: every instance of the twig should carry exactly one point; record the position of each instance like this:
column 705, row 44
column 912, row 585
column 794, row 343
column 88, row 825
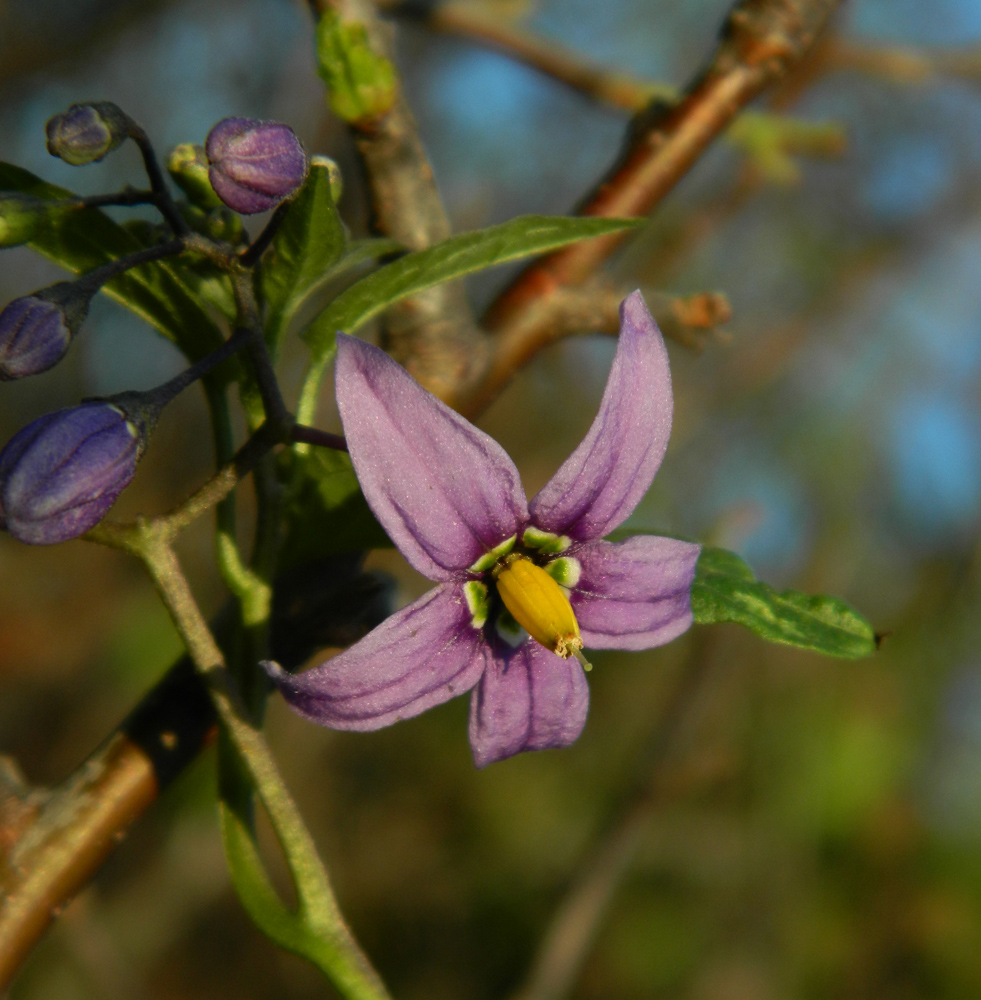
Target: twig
column 905, row 66
column 433, row 334
column 760, row 41
column 468, row 21
column 595, row 308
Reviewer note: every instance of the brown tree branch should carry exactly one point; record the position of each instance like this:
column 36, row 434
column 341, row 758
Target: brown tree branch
column 761, row 41
column 52, row 843
column 432, row 334
column 594, row 308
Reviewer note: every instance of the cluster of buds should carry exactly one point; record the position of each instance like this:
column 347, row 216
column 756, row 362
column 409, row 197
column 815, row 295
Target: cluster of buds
column 61, row 474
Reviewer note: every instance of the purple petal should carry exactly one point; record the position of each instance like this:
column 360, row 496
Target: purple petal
column 445, row 492
column 529, row 699
column 634, row 594
column 421, row 656
column 602, row 481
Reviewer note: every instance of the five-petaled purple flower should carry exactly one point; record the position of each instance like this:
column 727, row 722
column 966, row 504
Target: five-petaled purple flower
column 451, row 500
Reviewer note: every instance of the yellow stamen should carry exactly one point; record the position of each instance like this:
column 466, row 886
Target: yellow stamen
column 539, row 606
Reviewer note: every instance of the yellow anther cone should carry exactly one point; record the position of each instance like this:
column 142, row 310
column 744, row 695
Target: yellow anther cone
column 539, row 606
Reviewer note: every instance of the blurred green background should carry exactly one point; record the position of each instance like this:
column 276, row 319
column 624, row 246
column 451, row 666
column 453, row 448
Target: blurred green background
column 814, row 829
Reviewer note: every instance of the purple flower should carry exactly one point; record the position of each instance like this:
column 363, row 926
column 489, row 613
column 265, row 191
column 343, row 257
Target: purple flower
column 62, row 472
column 451, row 500
column 254, row 164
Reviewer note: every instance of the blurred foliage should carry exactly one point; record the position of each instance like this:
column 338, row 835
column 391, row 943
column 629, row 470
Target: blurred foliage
column 819, row 824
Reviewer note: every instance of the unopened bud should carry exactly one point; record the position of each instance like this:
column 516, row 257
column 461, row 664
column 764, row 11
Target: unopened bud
column 61, row 474
column 188, row 166
column 20, row 218
column 254, row 164
column 35, row 330
column 333, row 175
column 34, row 336
column 85, row 133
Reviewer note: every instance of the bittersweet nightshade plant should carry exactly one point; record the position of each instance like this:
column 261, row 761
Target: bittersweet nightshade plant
column 451, row 500
column 254, row 164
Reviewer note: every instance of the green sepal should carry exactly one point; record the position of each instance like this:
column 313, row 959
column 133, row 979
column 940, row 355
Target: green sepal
column 361, row 85
column 309, row 241
column 326, row 512
column 726, row 590
column 82, row 239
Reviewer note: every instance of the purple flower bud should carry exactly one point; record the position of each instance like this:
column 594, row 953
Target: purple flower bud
column 254, row 164
column 85, row 133
column 61, row 473
column 34, row 336
column 35, row 330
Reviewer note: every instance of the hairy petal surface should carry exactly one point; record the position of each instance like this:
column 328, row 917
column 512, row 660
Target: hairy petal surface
column 602, row 481
column 527, row 699
column 421, row 656
column 445, row 492
column 634, row 594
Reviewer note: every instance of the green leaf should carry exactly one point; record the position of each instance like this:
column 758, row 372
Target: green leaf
column 82, row 239
column 725, row 590
column 326, row 512
column 307, row 244
column 360, row 83
column 451, row 258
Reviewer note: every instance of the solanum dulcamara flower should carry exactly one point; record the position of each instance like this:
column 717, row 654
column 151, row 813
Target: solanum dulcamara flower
column 521, row 587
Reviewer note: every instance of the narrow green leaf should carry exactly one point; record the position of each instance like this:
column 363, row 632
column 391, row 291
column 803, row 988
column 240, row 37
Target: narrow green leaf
column 451, row 258
column 82, row 239
column 306, row 246
column 725, row 590
column 326, row 512
column 360, row 83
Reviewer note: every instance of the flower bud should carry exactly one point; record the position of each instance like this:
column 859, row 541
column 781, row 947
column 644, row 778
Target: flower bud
column 35, row 330
column 333, row 175
column 254, row 164
column 20, row 218
column 34, row 336
column 85, row 133
column 61, row 474
column 188, row 166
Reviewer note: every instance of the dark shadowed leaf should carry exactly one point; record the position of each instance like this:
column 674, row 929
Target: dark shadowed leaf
column 82, row 239
column 326, row 512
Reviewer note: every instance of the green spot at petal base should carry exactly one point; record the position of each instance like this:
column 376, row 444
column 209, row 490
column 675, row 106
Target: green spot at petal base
column 486, row 561
column 544, row 541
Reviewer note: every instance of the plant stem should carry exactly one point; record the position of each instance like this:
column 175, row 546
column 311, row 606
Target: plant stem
column 311, row 435
column 93, row 280
column 251, row 254
column 161, row 195
column 343, row 961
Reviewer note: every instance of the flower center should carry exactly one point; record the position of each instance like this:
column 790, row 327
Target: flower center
column 539, row 605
